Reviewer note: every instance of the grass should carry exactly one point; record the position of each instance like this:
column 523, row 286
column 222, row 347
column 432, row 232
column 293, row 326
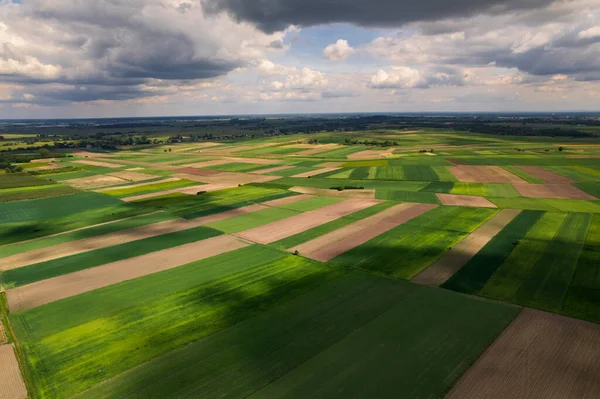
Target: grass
column 499, row 190
column 86, row 260
column 590, row 188
column 194, row 206
column 472, row 277
column 407, row 196
column 350, row 330
column 38, row 209
column 150, row 188
column 407, row 249
column 523, row 175
column 251, row 220
column 15, row 180
column 35, row 192
column 74, row 355
column 545, row 204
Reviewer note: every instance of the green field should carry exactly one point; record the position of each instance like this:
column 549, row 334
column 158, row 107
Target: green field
column 15, row 180
column 150, row 188
column 35, row 192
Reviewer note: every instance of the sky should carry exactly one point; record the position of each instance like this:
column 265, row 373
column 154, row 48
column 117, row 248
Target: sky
column 120, row 58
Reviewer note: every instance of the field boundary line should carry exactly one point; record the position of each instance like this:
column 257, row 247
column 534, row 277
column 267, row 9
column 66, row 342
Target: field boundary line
column 451, row 261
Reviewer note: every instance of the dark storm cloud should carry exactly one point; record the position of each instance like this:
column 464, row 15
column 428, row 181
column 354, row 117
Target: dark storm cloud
column 274, row 15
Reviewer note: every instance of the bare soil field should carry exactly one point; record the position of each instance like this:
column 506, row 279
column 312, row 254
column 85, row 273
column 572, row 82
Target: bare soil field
column 47, row 167
column 260, row 161
column 455, row 161
column 43, row 160
column 270, row 170
column 545, row 175
column 337, row 242
column 539, row 356
column 231, row 178
column 317, row 148
column 98, row 163
column 367, row 154
column 453, row 260
column 54, row 289
column 296, row 224
column 565, row 191
column 11, row 382
column 315, row 172
column 483, row 174
column 367, row 194
column 204, row 164
column 132, row 176
column 198, row 172
column 138, row 185
column 288, row 200
column 465, row 200
column 94, row 181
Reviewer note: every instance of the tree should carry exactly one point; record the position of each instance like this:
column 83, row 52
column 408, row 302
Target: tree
column 560, row 148
column 44, row 153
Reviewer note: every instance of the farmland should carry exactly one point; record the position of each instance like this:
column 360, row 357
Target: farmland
column 300, row 266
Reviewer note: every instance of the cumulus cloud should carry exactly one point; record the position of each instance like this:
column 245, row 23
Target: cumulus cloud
column 274, row 15
column 404, row 78
column 338, row 51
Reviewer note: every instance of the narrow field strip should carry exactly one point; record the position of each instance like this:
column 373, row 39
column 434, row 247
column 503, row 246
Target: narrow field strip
column 472, row 277
column 183, row 190
column 54, row 289
column 95, row 181
column 109, row 189
column 98, row 163
column 271, row 170
column 484, row 174
column 464, row 200
column 366, row 194
column 385, row 322
column 296, row 224
column 539, row 356
column 316, row 172
column 11, row 381
column 449, row 263
column 287, row 200
column 544, row 174
column 561, row 191
column 337, row 242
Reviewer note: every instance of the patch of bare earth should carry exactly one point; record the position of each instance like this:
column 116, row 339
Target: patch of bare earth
column 317, row 149
column 454, row 259
column 539, row 356
column 232, row 178
column 465, row 200
column 342, row 240
column 11, row 382
column 564, row 191
column 455, row 161
column 545, row 175
column 296, row 224
column 133, row 176
column 366, row 194
column 198, row 172
column 94, row 181
column 54, row 289
column 483, row 174
column 315, row 172
column 184, row 190
column 170, row 179
column 98, row 163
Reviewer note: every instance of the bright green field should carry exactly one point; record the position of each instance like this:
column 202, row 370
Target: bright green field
column 150, row 188
column 407, row 249
column 251, row 220
column 70, row 350
column 35, row 192
column 332, row 339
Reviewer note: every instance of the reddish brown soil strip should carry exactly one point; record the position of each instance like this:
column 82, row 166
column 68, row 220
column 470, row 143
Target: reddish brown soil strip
column 465, row 200
column 98, row 163
column 315, row 172
column 271, row 170
column 453, row 260
column 545, row 175
column 366, row 194
column 455, row 161
column 539, row 356
column 205, row 164
column 288, row 200
column 43, row 160
column 94, row 181
column 133, row 176
column 484, row 174
column 11, row 382
column 297, row 224
column 342, row 240
column 231, row 178
column 138, row 185
column 260, row 161
column 564, row 191
column 54, row 289
column 366, row 154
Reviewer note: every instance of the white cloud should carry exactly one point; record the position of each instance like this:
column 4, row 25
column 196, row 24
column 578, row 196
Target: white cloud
column 338, row 51
column 398, row 78
column 590, row 33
